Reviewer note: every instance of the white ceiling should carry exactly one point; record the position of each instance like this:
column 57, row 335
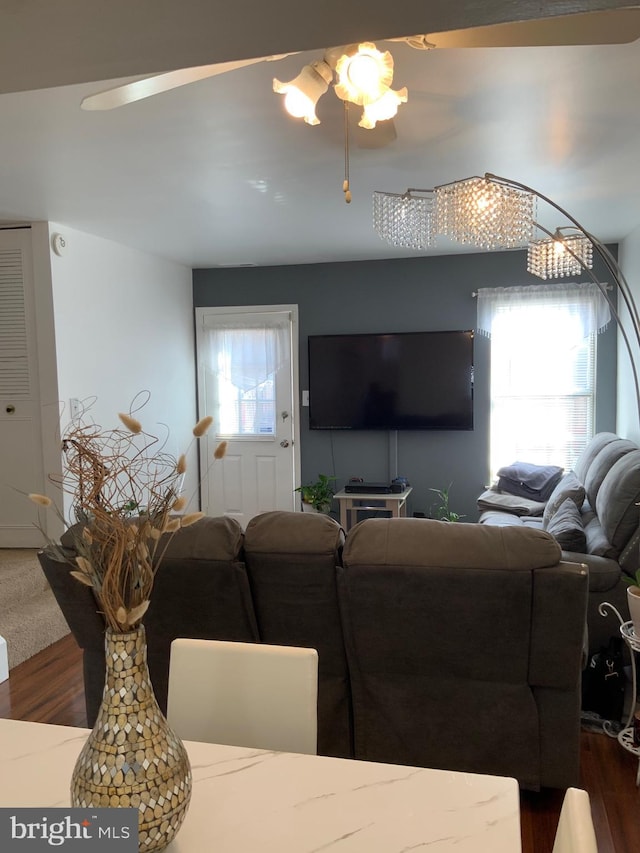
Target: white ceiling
column 215, row 173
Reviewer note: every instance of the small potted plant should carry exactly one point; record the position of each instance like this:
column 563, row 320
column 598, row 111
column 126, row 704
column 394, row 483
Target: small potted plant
column 442, row 510
column 633, row 599
column 317, row 497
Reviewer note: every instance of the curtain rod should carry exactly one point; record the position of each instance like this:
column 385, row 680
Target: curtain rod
column 607, row 286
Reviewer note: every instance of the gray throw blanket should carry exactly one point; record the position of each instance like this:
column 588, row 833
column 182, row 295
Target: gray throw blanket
column 527, row 480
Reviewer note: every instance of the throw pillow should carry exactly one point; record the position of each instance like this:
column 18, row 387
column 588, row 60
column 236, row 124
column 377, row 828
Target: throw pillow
column 566, row 528
column 568, row 487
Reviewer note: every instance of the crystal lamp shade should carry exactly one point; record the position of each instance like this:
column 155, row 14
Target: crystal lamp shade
column 559, row 256
column 485, row 213
column 404, row 220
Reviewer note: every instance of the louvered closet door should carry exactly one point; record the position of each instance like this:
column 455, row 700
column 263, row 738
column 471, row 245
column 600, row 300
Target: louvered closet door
column 20, row 445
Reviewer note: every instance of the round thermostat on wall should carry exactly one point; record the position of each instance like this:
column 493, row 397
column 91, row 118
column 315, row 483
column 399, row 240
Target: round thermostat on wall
column 58, row 244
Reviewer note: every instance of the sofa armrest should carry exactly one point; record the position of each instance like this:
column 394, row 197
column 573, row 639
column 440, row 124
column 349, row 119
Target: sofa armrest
column 604, row 573
column 558, row 619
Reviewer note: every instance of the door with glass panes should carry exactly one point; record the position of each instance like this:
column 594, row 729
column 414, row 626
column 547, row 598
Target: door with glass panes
column 247, row 360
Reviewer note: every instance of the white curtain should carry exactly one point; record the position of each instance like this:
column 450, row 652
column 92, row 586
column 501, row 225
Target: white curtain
column 246, row 354
column 543, row 369
column 584, row 301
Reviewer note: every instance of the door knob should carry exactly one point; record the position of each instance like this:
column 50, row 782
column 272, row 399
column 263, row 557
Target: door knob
column 10, row 409
column 284, row 443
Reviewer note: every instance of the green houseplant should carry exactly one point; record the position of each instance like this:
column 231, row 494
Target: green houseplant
column 633, row 581
column 442, row 511
column 633, row 599
column 319, row 494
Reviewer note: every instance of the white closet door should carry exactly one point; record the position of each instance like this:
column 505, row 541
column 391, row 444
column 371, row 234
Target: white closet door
column 21, row 466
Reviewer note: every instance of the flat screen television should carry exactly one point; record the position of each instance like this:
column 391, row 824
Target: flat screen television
column 408, row 380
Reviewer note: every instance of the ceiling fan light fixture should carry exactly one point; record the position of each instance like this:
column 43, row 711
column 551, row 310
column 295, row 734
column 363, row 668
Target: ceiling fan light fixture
column 363, row 75
column 559, row 256
column 384, row 108
column 485, row 213
column 303, row 92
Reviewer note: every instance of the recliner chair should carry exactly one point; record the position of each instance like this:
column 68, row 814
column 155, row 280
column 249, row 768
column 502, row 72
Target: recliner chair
column 291, row 560
column 465, row 645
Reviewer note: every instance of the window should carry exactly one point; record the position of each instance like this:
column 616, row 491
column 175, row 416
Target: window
column 246, row 389
column 543, row 370
column 242, row 368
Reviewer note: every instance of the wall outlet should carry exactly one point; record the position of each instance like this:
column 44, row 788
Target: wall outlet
column 74, row 408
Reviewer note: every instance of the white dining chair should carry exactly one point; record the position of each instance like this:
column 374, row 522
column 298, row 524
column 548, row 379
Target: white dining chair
column 244, row 694
column 575, row 833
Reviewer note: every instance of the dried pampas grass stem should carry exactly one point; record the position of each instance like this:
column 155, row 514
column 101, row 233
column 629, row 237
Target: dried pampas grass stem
column 124, row 491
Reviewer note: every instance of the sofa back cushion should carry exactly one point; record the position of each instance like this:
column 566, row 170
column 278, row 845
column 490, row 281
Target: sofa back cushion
column 438, row 622
column 476, row 576
column 201, row 591
column 425, row 542
column 597, row 543
column 593, row 447
column 602, row 464
column 616, row 503
column 291, row 560
column 219, row 537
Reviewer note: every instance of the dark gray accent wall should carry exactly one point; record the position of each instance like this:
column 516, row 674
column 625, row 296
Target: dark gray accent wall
column 404, row 295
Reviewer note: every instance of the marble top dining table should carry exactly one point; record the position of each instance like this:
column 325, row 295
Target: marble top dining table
column 247, row 800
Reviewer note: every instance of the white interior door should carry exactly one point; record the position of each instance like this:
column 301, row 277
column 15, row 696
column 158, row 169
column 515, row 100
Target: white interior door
column 247, row 381
column 21, row 462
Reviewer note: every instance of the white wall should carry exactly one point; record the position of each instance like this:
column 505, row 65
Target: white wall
column 124, row 325
column 627, row 409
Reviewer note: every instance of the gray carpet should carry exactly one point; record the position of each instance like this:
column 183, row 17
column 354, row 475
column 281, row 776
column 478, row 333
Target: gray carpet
column 30, row 619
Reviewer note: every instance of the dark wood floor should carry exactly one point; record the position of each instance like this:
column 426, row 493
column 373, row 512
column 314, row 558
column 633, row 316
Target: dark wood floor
column 48, row 689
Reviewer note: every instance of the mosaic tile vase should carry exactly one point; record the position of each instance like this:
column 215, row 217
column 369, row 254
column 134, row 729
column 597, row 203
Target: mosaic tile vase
column 132, row 758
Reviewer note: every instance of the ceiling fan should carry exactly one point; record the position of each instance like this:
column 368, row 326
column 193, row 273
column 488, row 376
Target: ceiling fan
column 608, row 27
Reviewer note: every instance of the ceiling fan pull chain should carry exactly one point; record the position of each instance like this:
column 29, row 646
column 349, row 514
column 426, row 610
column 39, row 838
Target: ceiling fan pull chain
column 345, row 184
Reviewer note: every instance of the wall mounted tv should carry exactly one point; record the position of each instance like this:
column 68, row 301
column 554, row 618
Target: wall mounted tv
column 408, row 380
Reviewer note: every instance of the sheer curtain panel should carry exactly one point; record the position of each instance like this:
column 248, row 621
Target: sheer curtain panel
column 543, row 369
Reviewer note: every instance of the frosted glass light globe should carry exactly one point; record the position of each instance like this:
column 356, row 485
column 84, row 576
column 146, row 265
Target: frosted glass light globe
column 297, row 104
column 364, row 73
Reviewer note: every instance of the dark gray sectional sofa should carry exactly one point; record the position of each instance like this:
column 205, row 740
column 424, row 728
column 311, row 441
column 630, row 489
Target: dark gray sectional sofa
column 441, row 645
column 604, row 491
